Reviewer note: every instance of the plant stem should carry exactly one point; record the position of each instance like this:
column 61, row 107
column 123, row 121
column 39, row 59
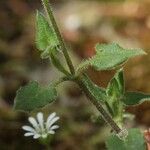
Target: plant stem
column 100, row 108
column 104, row 114
column 49, row 12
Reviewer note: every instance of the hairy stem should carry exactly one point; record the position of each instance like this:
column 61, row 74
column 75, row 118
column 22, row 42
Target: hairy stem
column 49, row 12
column 104, row 114
column 100, row 108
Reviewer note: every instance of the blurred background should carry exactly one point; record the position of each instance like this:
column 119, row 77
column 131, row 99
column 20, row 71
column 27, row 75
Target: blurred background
column 83, row 24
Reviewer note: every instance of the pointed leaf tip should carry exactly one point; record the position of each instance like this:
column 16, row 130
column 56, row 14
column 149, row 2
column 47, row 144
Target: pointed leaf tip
column 135, row 98
column 110, row 56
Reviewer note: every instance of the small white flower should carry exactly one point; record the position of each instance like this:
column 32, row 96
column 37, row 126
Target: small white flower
column 40, row 128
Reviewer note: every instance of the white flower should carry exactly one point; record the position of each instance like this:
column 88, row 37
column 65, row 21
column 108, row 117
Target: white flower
column 41, row 128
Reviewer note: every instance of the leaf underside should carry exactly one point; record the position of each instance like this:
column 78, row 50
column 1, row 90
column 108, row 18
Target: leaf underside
column 116, row 85
column 115, row 93
column 33, row 96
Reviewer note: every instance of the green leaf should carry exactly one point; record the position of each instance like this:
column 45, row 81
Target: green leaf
column 115, row 87
column 134, row 141
column 94, row 90
column 115, row 92
column 45, row 36
column 109, row 56
column 135, row 98
column 56, row 62
column 34, row 96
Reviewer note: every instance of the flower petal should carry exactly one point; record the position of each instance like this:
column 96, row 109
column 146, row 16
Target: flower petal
column 54, row 127
column 28, row 128
column 33, row 122
column 50, row 117
column 52, row 122
column 51, row 132
column 40, row 120
column 44, row 136
column 36, row 136
column 29, row 134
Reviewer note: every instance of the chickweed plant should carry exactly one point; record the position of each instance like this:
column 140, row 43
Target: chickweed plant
column 110, row 101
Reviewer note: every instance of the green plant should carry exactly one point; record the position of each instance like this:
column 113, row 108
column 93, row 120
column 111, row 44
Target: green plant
column 110, row 102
